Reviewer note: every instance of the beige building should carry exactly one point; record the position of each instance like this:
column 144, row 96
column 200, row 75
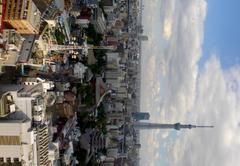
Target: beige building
column 23, row 15
column 17, row 141
column 23, row 133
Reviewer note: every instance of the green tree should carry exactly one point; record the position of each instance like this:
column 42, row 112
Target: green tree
column 60, row 37
column 87, row 94
column 92, row 36
column 102, row 119
column 98, row 67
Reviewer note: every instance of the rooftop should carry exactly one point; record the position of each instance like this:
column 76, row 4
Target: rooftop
column 107, row 2
column 26, row 49
column 41, row 4
column 17, row 116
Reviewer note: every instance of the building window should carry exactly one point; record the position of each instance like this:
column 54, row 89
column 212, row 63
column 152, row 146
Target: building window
column 8, row 160
column 16, row 160
column 1, row 159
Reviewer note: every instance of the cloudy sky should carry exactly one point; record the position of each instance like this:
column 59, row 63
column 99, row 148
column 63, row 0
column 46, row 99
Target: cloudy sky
column 191, row 75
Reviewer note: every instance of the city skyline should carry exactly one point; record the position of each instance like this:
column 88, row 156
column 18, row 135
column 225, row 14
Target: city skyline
column 119, row 82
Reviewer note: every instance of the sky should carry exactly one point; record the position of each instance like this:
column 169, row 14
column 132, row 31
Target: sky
column 222, row 34
column 191, row 75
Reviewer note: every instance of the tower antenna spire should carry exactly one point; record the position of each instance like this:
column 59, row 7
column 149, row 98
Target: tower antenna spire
column 176, row 126
column 205, row 126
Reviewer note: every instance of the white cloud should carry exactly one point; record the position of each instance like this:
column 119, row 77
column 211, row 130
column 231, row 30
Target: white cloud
column 175, row 59
column 164, row 134
column 168, row 20
column 218, row 104
column 167, row 28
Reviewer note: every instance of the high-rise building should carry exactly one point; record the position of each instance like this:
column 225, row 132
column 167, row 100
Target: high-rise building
column 22, row 15
column 99, row 21
column 16, row 133
column 23, row 133
column 143, row 37
column 17, row 140
column 141, row 115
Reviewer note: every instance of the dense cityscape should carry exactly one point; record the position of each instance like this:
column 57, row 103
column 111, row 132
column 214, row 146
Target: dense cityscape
column 70, row 82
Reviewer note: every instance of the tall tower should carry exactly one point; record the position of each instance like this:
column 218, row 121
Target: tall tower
column 176, row 126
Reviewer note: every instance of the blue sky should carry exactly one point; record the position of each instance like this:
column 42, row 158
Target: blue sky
column 222, row 32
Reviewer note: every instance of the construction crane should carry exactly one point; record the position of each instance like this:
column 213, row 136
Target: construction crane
column 56, row 47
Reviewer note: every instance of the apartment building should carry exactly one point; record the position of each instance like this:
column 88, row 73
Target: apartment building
column 22, row 15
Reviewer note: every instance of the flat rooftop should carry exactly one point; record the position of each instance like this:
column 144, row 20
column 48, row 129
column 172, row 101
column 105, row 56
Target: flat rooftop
column 27, row 48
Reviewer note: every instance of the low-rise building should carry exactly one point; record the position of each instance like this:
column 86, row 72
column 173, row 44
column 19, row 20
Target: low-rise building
column 26, row 49
column 91, row 3
column 83, row 19
column 109, row 5
column 79, row 70
column 10, row 45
